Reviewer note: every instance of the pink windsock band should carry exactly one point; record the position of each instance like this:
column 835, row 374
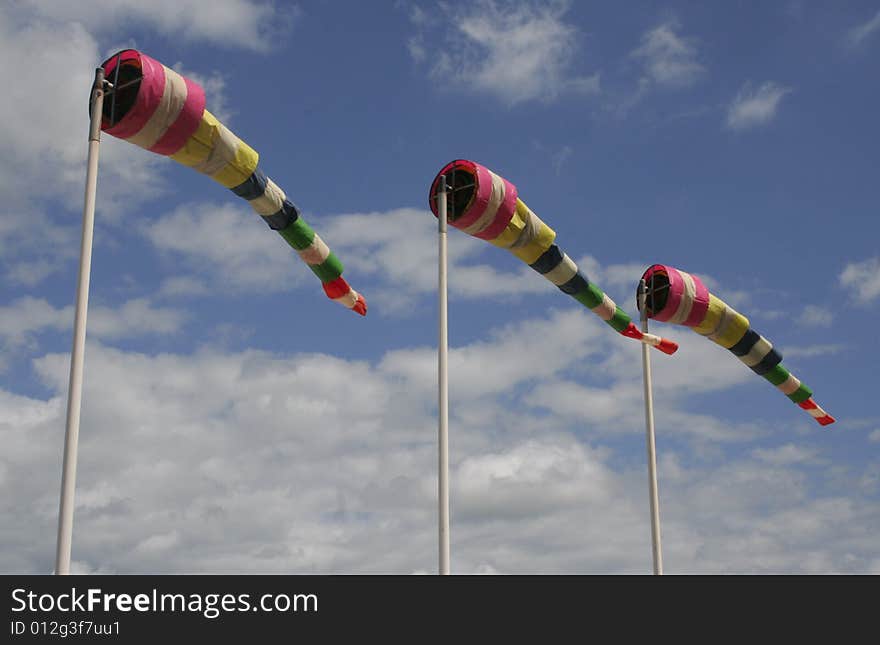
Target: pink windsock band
column 687, row 299
column 492, row 205
column 186, row 123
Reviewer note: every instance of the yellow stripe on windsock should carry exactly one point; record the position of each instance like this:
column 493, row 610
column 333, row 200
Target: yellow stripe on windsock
column 199, row 145
column 514, row 227
column 713, row 316
column 214, row 150
column 732, row 328
column 535, row 239
column 239, row 168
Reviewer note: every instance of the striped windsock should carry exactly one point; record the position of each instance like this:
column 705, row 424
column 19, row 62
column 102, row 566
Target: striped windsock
column 486, row 206
column 682, row 299
column 164, row 112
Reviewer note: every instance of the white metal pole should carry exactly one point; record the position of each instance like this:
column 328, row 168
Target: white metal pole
column 443, row 380
column 74, row 395
column 652, row 450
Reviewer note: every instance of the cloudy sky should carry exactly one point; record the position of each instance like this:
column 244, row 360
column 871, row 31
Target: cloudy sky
column 235, row 420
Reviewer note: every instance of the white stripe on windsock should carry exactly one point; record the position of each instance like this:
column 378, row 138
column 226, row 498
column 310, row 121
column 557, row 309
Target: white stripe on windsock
column 166, row 113
column 349, row 299
column 687, row 300
column 789, row 385
column 271, row 201
column 605, row 310
column 757, row 353
column 221, row 152
column 562, row 272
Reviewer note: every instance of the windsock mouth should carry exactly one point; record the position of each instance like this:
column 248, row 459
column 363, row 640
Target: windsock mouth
column 461, row 183
column 125, row 71
column 657, row 289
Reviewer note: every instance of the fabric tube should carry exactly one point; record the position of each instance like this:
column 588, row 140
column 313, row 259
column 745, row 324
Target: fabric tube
column 487, row 206
column 158, row 109
column 680, row 298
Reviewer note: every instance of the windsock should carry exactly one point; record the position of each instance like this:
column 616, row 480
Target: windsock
column 486, row 206
column 164, row 112
column 682, row 299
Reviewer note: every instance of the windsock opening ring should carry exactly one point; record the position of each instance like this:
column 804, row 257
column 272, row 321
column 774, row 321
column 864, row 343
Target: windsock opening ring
column 462, row 186
column 125, row 71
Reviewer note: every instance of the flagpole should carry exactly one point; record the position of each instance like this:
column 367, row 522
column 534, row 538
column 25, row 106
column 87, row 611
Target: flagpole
column 74, row 395
column 649, row 427
column 443, row 380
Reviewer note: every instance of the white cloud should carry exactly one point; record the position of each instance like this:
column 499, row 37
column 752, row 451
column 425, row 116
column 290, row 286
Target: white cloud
column 874, row 436
column 786, row 455
column 622, row 277
column 181, row 286
column 44, row 119
column 400, row 248
column 27, row 316
column 416, row 47
column 531, row 477
column 754, row 107
column 862, row 279
column 43, row 132
column 860, row 33
column 615, row 403
column 389, row 256
column 228, row 247
column 253, row 462
column 214, row 85
column 815, row 316
column 516, row 51
column 811, row 351
column 560, row 157
column 136, row 317
column 250, row 24
column 669, row 59
column 516, row 353
column 24, row 319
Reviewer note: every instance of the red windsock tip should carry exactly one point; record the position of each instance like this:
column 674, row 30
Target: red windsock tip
column 827, row 420
column 632, row 331
column 336, row 288
column 360, row 306
column 667, row 346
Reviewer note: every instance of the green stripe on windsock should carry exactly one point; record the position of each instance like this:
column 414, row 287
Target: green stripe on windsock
column 590, row 297
column 777, row 375
column 298, row 234
column 801, row 394
column 329, row 269
column 620, row 320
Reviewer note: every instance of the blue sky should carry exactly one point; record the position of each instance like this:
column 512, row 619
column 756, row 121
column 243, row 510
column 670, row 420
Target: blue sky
column 235, row 420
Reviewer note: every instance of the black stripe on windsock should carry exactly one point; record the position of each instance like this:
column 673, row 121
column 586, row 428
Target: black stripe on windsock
column 577, row 284
column 745, row 344
column 283, row 218
column 252, row 187
column 771, row 360
column 548, row 261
